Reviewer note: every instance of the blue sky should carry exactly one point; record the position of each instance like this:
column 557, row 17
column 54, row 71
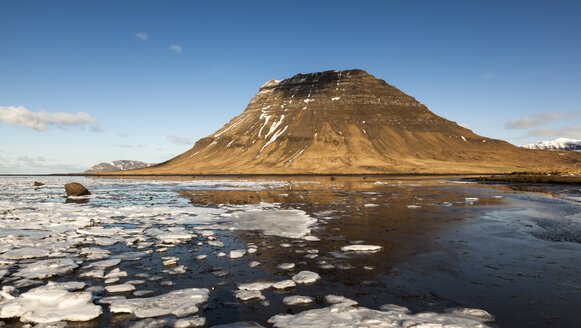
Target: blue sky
column 151, row 77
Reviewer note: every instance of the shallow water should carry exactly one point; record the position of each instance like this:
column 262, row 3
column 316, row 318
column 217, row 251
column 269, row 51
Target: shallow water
column 445, row 243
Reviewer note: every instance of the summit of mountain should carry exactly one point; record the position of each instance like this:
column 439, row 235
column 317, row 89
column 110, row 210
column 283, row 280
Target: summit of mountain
column 347, row 122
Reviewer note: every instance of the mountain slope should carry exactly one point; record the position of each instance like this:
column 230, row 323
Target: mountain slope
column 557, row 144
column 345, row 122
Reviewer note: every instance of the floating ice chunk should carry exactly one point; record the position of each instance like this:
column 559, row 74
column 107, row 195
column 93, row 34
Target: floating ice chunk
column 215, row 243
column 201, row 257
column 93, row 253
column 180, row 303
column 167, row 283
column 103, row 264
column 44, row 305
column 194, row 321
column 361, row 248
column 237, row 253
column 253, row 264
column 136, row 282
column 370, row 205
column 25, row 253
column 284, row 284
column 257, row 285
column 47, row 268
column 105, row 241
column 141, row 293
column 111, row 281
column 286, row 266
column 252, row 250
column 312, row 238
column 273, row 221
column 471, row 199
column 122, row 288
column 335, row 299
column 306, row 277
column 116, row 273
column 345, row 315
column 109, row 299
column 246, row 295
column 297, row 299
column 285, row 245
column 93, row 274
column 221, row 254
column 169, row 260
column 413, row 206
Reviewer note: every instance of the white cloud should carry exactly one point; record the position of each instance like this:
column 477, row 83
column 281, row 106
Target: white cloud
column 142, row 36
column 36, row 165
column 180, row 140
column 176, row 47
column 539, row 120
column 42, row 120
column 569, row 132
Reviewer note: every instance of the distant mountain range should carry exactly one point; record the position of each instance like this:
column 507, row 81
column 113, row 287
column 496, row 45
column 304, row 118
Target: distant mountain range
column 117, row 166
column 557, row 144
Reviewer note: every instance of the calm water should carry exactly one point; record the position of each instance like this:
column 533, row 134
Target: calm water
column 446, row 243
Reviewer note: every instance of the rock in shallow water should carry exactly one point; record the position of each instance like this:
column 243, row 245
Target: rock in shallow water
column 76, row 189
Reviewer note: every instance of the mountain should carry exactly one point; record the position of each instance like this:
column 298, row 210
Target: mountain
column 116, row 166
column 346, row 122
column 558, row 144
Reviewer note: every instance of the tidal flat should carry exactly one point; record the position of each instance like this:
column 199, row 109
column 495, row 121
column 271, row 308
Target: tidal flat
column 289, row 252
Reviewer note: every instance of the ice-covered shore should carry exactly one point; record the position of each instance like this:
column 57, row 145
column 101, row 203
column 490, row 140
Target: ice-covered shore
column 85, row 246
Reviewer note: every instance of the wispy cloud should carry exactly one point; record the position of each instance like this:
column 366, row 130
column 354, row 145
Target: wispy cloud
column 176, row 47
column 42, row 120
column 130, row 146
column 36, row 164
column 142, row 36
column 569, row 132
column 539, row 120
column 180, row 140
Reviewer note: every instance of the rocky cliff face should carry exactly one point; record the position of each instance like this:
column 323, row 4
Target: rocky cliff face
column 117, row 166
column 557, row 144
column 340, row 122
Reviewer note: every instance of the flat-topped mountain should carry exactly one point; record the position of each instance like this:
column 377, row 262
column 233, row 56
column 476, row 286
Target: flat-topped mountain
column 346, row 122
column 557, row 144
column 117, row 166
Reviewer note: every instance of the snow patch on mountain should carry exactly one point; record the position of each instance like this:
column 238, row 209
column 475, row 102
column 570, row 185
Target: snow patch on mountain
column 117, row 166
column 557, row 144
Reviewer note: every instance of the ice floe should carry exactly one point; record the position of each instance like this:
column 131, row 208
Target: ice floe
column 344, row 314
column 181, row 303
column 306, row 277
column 284, row 284
column 247, row 295
column 47, row 268
column 51, row 303
column 361, row 248
column 297, row 299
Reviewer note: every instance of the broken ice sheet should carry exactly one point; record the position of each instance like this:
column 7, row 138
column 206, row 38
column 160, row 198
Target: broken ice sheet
column 344, row 314
column 180, row 303
column 47, row 268
column 51, row 303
